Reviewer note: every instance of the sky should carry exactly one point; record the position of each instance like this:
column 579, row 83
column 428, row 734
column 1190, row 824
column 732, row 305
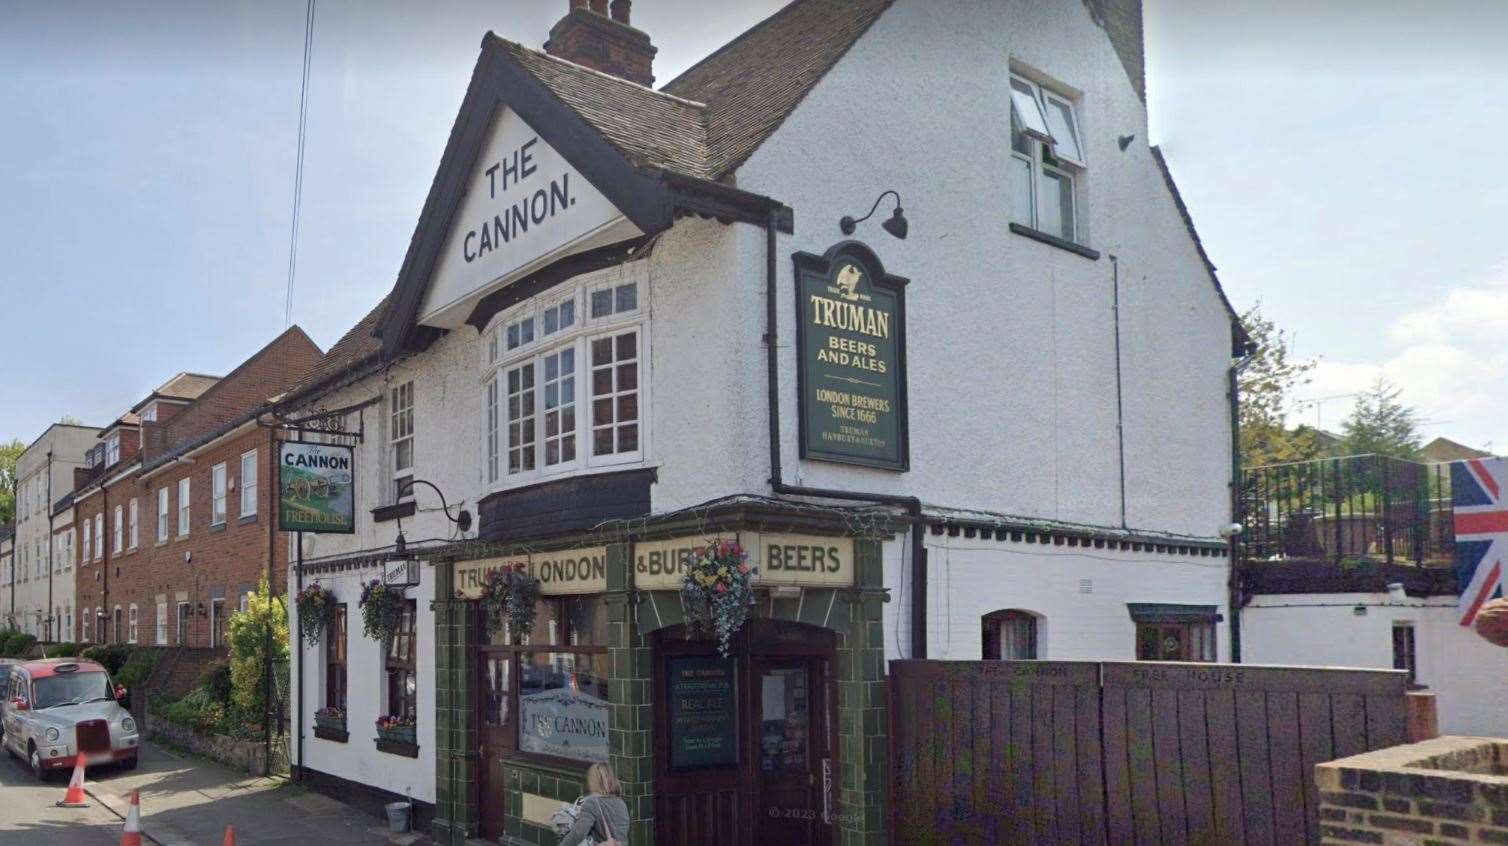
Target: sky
column 1341, row 160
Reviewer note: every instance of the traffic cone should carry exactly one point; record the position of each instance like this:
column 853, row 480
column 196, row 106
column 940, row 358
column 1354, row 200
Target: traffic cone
column 230, row 836
column 74, row 798
column 131, row 834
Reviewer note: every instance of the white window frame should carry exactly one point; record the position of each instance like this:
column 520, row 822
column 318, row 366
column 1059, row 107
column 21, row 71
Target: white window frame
column 162, row 514
column 112, row 450
column 99, row 536
column 133, row 525
column 117, row 529
column 405, row 392
column 86, row 628
column 498, row 361
column 162, row 623
column 248, row 484
column 133, row 618
column 88, row 537
column 185, row 504
column 1068, row 167
column 183, row 620
column 218, row 482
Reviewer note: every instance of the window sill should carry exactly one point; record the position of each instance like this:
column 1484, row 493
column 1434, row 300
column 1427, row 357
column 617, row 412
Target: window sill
column 398, row 747
column 246, row 520
column 335, row 735
column 1055, row 241
column 216, row 527
column 387, row 513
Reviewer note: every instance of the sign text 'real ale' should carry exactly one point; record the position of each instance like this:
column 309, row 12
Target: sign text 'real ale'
column 315, row 488
column 851, row 327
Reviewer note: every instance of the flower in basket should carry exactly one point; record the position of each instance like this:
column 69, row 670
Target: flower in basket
column 508, row 596
column 336, row 716
column 717, row 590
column 382, row 608
column 316, row 612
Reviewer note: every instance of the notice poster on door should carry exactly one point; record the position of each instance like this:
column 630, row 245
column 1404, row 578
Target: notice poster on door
column 703, row 711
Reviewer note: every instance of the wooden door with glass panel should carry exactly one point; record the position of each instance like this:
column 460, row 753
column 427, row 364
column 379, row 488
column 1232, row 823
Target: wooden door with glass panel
column 790, row 751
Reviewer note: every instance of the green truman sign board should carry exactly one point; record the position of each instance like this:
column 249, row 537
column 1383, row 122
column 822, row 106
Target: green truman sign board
column 316, row 488
column 851, row 341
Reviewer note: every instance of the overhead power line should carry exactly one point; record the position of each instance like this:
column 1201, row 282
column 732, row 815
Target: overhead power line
column 298, row 168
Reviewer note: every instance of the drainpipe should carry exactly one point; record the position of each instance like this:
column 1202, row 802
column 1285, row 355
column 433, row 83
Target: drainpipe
column 1120, row 415
column 912, row 504
column 1233, row 586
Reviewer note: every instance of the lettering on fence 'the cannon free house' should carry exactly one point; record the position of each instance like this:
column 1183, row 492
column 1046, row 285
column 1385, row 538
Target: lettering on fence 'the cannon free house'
column 568, row 571
column 782, row 559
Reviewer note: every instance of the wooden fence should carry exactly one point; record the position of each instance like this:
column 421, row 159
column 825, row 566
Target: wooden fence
column 1028, row 752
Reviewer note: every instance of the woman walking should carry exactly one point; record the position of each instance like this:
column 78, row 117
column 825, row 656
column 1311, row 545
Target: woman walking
column 604, row 814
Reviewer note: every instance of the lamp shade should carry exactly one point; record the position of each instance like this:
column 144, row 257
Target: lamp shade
column 896, row 224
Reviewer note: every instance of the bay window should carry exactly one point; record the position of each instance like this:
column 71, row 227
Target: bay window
column 563, row 384
column 1046, row 158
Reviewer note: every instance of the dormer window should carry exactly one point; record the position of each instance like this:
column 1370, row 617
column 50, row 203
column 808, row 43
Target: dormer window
column 149, row 413
column 1047, row 157
column 112, row 450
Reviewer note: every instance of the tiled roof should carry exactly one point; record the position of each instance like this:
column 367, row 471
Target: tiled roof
column 651, row 129
column 754, row 81
column 356, row 347
column 187, row 385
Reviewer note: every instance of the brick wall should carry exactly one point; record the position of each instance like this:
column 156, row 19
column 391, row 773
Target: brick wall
column 1443, row 791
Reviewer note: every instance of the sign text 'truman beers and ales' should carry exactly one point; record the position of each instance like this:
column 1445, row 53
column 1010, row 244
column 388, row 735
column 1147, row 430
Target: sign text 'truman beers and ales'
column 851, row 336
column 794, row 560
column 564, row 572
column 315, row 488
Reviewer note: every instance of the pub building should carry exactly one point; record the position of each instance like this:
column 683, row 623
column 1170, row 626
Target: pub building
column 635, row 323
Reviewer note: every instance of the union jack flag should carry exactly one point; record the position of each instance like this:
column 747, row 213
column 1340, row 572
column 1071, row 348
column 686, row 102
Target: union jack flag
column 1481, row 530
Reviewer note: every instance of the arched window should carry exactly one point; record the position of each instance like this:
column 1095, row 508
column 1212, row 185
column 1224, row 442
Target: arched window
column 1010, row 635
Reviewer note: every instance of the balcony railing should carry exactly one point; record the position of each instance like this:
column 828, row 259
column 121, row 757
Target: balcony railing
column 1351, row 508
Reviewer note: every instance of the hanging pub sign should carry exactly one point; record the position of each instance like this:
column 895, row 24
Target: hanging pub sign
column 316, row 488
column 851, row 370
column 703, row 712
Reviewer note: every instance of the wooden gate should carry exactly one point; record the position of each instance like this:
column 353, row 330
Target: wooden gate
column 1027, row 752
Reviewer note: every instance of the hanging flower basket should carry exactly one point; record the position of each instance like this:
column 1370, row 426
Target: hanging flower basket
column 316, row 612
column 717, row 591
column 382, row 608
column 508, row 596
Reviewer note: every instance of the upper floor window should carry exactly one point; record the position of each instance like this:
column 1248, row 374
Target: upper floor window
column 249, row 484
column 112, row 450
column 87, row 536
column 1046, row 159
column 133, row 524
column 149, row 413
column 401, row 437
column 217, row 495
column 566, row 394
column 99, row 536
column 117, row 530
column 162, row 515
column 183, row 506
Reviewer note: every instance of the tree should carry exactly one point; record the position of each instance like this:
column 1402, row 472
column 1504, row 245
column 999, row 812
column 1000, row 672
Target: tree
column 1380, row 424
column 1265, row 386
column 10, row 453
column 248, row 642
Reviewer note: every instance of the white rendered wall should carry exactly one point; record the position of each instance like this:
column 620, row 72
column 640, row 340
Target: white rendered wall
column 358, row 759
column 67, row 445
column 1468, row 675
column 969, row 578
column 1010, row 342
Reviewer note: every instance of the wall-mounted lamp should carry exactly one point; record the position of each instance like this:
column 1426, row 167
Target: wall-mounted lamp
column 462, row 518
column 895, row 224
column 201, row 610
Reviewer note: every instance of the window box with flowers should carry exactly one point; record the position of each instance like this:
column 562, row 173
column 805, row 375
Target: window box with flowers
column 330, row 724
column 397, row 736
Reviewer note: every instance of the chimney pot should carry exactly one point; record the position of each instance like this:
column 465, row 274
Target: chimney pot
column 621, row 9
column 600, row 7
column 589, row 37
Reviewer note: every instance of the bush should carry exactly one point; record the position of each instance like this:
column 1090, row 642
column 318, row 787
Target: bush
column 265, row 618
column 216, row 681
column 111, row 655
column 17, row 645
column 197, row 711
column 61, row 650
column 137, row 668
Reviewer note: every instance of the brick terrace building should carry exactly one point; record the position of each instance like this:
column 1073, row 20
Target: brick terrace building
column 186, row 528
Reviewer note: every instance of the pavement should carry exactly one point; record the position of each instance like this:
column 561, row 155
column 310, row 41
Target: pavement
column 185, row 801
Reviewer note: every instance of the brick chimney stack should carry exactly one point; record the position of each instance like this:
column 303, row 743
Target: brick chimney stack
column 603, row 40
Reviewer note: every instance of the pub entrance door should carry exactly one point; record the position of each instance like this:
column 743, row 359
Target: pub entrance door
column 495, row 730
column 745, row 746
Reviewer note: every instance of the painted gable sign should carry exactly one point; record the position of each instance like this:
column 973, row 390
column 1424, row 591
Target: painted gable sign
column 525, row 207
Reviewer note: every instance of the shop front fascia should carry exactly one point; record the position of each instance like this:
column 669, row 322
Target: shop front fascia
column 799, row 614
